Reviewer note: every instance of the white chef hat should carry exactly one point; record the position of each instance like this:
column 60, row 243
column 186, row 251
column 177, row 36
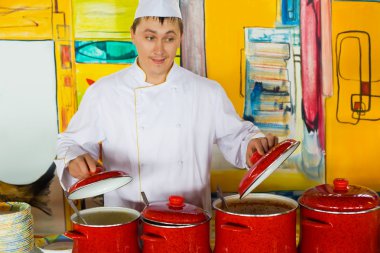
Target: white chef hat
column 158, row 8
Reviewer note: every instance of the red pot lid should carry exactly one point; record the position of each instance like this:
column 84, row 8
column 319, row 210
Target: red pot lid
column 264, row 165
column 174, row 212
column 98, row 183
column 340, row 197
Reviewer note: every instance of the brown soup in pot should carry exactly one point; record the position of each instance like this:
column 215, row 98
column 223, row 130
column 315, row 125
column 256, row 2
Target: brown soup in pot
column 105, row 218
column 258, row 207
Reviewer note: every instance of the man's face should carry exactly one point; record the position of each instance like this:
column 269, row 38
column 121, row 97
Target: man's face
column 157, row 45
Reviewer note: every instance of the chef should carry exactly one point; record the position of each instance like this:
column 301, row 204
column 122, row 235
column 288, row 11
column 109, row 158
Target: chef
column 156, row 121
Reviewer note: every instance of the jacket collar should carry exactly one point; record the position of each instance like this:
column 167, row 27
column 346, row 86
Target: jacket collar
column 139, row 75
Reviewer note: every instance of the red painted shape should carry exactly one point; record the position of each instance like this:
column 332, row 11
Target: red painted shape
column 357, row 106
column 365, row 88
column 65, row 56
column 89, row 81
column 310, row 24
column 67, row 81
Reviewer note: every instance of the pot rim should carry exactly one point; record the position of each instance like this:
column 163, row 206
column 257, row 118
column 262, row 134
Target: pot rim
column 172, row 225
column 257, row 195
column 94, row 209
column 346, row 213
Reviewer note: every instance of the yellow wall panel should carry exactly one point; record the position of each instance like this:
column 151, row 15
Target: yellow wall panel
column 93, row 72
column 103, row 18
column 224, row 36
column 26, row 20
column 352, row 144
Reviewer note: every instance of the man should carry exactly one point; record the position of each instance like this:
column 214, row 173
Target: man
column 156, row 121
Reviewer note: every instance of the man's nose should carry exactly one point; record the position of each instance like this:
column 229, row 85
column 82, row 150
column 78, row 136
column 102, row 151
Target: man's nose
column 159, row 47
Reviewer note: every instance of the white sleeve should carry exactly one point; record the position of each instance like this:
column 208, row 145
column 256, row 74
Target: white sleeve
column 232, row 132
column 82, row 135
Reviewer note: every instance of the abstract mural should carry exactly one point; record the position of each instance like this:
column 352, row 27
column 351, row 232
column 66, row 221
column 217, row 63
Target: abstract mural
column 271, row 101
column 270, row 80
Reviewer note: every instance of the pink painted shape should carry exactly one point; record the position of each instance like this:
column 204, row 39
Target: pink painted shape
column 310, row 23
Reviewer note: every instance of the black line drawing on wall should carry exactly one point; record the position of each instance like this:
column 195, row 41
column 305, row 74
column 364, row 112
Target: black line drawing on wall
column 356, row 96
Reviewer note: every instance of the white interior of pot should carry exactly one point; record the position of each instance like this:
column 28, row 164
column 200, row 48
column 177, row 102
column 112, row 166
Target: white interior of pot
column 257, row 204
column 100, row 187
column 271, row 168
column 106, row 216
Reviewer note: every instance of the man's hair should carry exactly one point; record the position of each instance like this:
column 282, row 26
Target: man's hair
column 137, row 21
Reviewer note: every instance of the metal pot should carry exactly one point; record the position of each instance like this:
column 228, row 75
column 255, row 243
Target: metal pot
column 339, row 218
column 175, row 227
column 259, row 223
column 103, row 229
column 108, row 230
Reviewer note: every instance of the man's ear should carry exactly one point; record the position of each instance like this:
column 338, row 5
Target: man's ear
column 132, row 35
column 181, row 41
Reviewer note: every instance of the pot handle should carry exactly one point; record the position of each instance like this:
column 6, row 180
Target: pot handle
column 152, row 237
column 235, row 227
column 75, row 235
column 316, row 224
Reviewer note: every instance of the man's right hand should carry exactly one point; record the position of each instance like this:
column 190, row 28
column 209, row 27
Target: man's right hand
column 82, row 166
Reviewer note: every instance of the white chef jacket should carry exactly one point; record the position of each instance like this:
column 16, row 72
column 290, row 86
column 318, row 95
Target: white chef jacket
column 161, row 135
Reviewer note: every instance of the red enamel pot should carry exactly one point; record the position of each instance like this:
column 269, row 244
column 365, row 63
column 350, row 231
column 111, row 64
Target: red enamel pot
column 339, row 218
column 103, row 229
column 175, row 227
column 259, row 223
column 108, row 230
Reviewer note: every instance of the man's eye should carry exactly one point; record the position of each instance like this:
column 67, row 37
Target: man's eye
column 149, row 38
column 169, row 39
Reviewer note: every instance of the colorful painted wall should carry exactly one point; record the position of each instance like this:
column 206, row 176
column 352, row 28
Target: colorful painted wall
column 301, row 69
column 335, row 68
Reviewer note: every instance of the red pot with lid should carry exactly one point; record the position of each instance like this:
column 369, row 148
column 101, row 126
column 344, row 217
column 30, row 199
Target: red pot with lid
column 103, row 229
column 339, row 218
column 258, row 222
column 175, row 226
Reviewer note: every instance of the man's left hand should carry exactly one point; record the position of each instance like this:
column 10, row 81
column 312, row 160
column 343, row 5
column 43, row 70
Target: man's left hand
column 260, row 145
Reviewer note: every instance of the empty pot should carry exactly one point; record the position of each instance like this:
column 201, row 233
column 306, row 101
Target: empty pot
column 108, row 230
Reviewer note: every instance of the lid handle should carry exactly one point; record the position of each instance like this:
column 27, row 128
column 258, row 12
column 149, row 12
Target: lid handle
column 97, row 170
column 176, row 201
column 340, row 185
column 255, row 157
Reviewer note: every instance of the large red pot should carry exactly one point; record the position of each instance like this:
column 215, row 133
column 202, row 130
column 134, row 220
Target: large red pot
column 108, row 230
column 243, row 229
column 339, row 218
column 175, row 227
